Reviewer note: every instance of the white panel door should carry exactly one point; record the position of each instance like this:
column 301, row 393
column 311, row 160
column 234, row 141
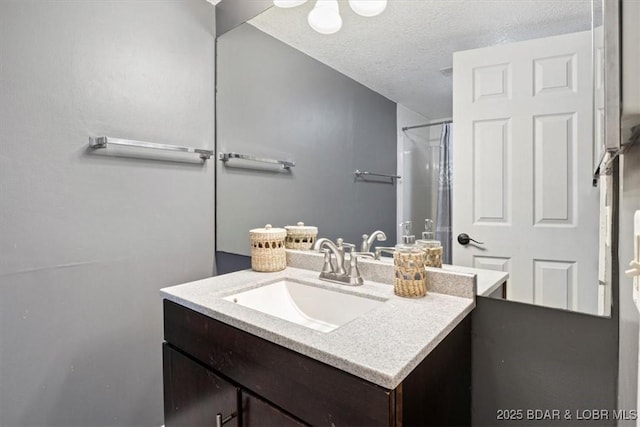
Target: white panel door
column 522, row 150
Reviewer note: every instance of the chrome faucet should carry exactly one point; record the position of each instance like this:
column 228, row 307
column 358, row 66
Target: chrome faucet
column 367, row 240
column 339, row 272
column 381, row 249
column 338, row 252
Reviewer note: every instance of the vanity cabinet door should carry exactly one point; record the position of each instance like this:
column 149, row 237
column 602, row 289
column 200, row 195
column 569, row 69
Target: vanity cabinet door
column 256, row 412
column 194, row 395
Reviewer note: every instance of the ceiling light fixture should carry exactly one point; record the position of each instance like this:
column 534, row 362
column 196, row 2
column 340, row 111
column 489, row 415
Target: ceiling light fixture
column 325, row 17
column 288, row 3
column 368, row 8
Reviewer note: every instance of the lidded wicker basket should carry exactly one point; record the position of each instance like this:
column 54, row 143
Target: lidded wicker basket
column 267, row 249
column 300, row 236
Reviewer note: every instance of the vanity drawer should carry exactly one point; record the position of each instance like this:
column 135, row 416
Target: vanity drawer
column 310, row 390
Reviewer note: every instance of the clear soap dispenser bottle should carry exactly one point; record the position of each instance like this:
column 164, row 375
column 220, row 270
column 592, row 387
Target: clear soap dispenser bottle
column 431, row 247
column 408, row 261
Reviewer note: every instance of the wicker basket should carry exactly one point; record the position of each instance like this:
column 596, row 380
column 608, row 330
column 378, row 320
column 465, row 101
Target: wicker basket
column 267, row 249
column 300, row 237
column 433, row 252
column 409, row 274
column 433, row 257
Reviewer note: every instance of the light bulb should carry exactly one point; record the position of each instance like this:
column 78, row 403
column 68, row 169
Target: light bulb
column 368, row 8
column 325, row 17
column 288, row 3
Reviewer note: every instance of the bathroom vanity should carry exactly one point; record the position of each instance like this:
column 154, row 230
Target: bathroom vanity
column 402, row 362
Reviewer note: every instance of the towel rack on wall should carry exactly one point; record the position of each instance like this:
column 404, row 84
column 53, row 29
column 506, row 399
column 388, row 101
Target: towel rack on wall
column 103, row 141
column 358, row 173
column 286, row 164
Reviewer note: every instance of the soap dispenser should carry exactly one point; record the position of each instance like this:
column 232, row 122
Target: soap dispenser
column 431, row 247
column 408, row 260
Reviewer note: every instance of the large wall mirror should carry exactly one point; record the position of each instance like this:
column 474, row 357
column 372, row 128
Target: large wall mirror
column 496, row 96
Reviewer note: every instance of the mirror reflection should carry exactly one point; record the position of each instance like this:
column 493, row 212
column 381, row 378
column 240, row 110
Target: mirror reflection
column 484, row 110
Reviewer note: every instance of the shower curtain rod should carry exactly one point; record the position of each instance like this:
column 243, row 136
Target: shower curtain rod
column 427, row 125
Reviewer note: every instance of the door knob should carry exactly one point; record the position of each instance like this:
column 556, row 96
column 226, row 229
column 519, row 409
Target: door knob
column 464, row 239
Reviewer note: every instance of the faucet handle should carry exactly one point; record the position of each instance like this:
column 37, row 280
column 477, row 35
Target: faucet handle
column 345, row 246
column 349, row 246
column 327, row 267
column 355, row 278
column 365, row 242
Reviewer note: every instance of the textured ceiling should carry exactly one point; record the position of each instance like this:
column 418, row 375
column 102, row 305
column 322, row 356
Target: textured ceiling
column 399, row 53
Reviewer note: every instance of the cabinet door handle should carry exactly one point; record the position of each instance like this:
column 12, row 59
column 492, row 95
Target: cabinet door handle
column 220, row 421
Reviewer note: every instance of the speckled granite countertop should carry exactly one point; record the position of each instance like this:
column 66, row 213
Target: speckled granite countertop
column 383, row 346
column 487, row 280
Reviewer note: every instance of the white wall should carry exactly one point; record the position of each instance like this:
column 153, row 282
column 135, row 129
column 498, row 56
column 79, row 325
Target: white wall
column 88, row 238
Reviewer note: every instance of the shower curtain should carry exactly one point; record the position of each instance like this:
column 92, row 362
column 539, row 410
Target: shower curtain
column 443, row 216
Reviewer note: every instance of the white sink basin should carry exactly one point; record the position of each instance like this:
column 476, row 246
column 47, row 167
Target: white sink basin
column 307, row 305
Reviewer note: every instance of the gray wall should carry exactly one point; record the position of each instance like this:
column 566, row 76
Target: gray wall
column 274, row 101
column 628, row 359
column 87, row 239
column 529, row 357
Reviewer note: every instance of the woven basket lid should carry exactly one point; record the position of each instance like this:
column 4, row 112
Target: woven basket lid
column 269, row 231
column 301, row 228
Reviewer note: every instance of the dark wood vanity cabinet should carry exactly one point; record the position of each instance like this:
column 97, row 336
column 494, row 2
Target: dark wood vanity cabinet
column 195, row 395
column 256, row 412
column 212, row 368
